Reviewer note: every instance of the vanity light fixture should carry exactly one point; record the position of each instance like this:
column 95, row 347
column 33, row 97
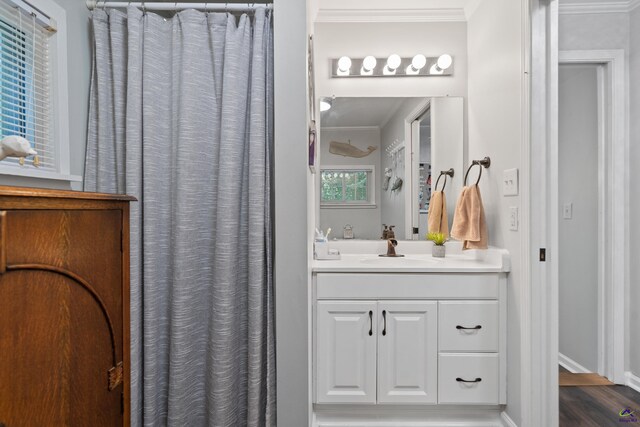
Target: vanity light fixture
column 394, row 66
column 344, row 65
column 443, row 63
column 368, row 64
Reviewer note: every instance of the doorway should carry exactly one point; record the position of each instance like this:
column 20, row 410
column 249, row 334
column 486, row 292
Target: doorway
column 581, row 139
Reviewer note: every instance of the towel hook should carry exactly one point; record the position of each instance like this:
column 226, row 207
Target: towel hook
column 449, row 172
column 484, row 163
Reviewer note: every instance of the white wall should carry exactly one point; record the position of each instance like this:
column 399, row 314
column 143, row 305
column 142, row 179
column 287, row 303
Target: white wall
column 79, row 75
column 294, row 194
column 447, row 130
column 365, row 220
column 495, row 129
column 578, row 257
column 634, row 191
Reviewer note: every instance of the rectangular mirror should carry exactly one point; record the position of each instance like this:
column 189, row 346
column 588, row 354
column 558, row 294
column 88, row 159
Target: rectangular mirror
column 380, row 159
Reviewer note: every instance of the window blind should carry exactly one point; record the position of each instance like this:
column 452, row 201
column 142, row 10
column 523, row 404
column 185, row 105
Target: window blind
column 25, row 101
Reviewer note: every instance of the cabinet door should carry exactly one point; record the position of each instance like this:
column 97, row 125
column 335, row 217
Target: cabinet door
column 407, row 352
column 346, row 352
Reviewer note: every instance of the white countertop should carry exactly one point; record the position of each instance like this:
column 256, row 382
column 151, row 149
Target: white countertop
column 363, row 257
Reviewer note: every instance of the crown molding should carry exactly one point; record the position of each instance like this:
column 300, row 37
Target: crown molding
column 620, row 6
column 390, row 15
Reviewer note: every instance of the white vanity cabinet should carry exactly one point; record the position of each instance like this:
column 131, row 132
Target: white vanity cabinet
column 376, row 351
column 417, row 339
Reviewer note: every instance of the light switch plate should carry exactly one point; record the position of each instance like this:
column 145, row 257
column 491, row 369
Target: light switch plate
column 513, row 218
column 510, row 182
column 567, row 211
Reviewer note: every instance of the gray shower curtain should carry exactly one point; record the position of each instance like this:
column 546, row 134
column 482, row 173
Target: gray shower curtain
column 181, row 118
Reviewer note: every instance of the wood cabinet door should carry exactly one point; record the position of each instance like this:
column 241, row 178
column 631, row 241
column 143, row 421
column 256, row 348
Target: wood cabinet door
column 61, row 318
column 407, row 352
column 346, row 352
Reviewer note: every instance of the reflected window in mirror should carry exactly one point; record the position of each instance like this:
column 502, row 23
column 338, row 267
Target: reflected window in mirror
column 345, row 186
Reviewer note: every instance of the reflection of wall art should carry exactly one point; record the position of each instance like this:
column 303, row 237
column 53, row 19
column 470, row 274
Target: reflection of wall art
column 347, row 150
column 397, row 185
column 388, row 173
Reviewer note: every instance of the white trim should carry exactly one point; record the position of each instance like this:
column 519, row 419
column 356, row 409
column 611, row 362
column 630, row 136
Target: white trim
column 571, row 365
column 506, row 420
column 620, row 6
column 390, row 15
column 632, row 381
column 539, row 387
column 616, row 208
column 33, row 172
column 339, row 128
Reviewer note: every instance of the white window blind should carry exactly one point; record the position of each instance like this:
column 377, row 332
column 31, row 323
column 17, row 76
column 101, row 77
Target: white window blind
column 25, row 102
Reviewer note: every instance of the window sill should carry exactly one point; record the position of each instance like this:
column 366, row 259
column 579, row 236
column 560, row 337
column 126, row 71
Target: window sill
column 31, row 172
column 348, row 206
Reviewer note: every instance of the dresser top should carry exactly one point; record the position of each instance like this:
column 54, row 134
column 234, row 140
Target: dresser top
column 60, row 194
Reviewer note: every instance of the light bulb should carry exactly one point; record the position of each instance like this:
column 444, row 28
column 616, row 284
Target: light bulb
column 444, row 61
column 325, row 105
column 418, row 62
column 393, row 62
column 344, row 64
column 369, row 63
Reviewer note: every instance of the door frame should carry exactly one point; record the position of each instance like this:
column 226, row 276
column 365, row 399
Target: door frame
column 411, row 157
column 612, row 205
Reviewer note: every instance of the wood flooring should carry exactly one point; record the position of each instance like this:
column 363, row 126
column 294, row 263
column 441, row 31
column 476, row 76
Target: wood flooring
column 598, row 406
column 570, row 379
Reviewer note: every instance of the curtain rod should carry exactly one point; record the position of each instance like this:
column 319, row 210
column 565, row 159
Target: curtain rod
column 229, row 7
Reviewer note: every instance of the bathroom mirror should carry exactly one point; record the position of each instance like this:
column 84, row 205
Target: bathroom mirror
column 380, row 159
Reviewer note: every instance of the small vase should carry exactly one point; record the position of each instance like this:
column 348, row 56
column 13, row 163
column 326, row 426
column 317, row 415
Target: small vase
column 438, row 251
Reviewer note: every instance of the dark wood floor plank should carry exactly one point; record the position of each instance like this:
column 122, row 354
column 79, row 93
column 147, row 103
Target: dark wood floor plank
column 597, row 406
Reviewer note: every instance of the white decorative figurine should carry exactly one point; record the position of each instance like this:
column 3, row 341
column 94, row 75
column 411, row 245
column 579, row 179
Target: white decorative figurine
column 15, row 146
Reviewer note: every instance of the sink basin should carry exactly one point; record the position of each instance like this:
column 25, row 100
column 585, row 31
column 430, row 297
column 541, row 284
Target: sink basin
column 408, row 261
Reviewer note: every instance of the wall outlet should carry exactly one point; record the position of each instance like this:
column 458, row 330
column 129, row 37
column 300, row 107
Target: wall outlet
column 513, row 218
column 567, row 211
column 510, row 182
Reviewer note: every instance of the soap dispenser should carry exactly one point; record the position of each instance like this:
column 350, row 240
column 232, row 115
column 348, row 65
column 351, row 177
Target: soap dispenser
column 385, row 232
column 391, row 234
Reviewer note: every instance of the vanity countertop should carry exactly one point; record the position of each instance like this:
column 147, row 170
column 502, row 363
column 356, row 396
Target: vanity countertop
column 492, row 260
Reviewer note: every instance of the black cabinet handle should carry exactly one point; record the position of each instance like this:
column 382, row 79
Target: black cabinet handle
column 370, row 322
column 384, row 317
column 475, row 327
column 460, row 380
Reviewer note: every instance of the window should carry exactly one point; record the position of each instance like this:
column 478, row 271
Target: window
column 33, row 85
column 347, row 186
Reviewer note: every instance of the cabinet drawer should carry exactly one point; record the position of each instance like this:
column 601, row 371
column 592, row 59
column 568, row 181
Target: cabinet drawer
column 468, row 326
column 480, row 370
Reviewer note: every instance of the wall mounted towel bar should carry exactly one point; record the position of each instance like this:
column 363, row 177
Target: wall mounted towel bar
column 484, row 163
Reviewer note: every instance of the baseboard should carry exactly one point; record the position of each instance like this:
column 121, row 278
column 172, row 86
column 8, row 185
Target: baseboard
column 506, row 420
column 632, row 381
column 571, row 365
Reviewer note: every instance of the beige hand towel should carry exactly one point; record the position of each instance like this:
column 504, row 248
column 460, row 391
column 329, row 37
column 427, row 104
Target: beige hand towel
column 438, row 222
column 469, row 223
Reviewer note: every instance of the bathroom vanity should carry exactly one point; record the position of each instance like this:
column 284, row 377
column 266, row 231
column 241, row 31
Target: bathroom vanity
column 415, row 335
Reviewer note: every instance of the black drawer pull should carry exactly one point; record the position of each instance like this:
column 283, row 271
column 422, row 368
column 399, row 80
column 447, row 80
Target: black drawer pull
column 370, row 322
column 475, row 327
column 384, row 317
column 460, row 380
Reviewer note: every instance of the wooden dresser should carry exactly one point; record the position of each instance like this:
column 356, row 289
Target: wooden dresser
column 64, row 308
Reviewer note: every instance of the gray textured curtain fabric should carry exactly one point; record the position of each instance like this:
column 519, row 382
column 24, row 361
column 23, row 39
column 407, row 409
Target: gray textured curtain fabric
column 181, row 118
